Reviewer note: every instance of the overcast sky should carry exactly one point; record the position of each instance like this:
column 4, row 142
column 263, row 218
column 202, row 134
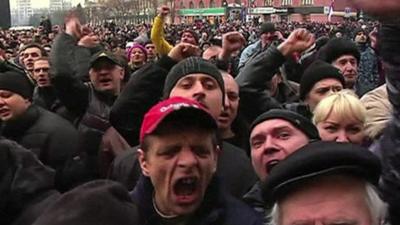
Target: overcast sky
column 43, row 3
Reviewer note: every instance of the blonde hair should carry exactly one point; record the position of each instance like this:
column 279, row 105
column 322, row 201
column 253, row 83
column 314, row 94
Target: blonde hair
column 344, row 104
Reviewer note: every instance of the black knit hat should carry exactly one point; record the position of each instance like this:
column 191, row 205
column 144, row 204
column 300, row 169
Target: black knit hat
column 98, row 202
column 297, row 120
column 267, row 28
column 338, row 47
column 315, row 72
column 189, row 66
column 320, row 159
column 16, row 82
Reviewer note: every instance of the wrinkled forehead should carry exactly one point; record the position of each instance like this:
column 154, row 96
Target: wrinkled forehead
column 272, row 125
column 197, row 76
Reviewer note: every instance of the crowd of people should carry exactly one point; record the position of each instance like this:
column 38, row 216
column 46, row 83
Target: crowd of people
column 226, row 123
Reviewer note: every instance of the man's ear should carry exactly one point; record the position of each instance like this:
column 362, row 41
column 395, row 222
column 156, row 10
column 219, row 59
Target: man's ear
column 217, row 153
column 122, row 73
column 143, row 162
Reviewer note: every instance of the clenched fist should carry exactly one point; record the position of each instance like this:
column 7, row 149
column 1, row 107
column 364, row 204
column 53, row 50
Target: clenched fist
column 298, row 41
column 184, row 50
column 231, row 42
column 163, row 11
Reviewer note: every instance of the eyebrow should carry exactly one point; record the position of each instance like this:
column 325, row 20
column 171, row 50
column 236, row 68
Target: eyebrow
column 275, row 129
column 329, row 222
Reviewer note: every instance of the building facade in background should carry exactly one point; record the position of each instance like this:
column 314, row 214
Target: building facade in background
column 21, row 13
column 266, row 10
column 59, row 5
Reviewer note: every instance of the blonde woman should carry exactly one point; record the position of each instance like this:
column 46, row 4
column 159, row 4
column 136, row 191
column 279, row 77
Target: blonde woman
column 341, row 117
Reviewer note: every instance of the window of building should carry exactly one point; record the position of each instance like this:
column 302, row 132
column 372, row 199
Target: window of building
column 212, row 4
column 201, row 4
column 182, row 5
column 268, row 2
column 191, row 5
column 286, row 2
column 307, row 2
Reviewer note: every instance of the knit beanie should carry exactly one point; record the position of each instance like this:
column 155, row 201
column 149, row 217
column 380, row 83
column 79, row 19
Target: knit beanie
column 297, row 120
column 16, row 82
column 267, row 28
column 338, row 47
column 139, row 47
column 318, row 71
column 188, row 66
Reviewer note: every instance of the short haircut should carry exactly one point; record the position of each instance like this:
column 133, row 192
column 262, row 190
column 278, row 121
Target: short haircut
column 377, row 207
column 35, row 45
column 343, row 104
column 43, row 58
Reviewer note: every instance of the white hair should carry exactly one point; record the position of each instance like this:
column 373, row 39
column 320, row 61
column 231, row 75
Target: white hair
column 377, row 207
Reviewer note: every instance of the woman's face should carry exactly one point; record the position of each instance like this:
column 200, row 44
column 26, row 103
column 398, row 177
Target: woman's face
column 335, row 128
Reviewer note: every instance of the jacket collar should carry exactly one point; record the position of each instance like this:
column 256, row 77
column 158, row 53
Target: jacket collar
column 210, row 211
column 16, row 127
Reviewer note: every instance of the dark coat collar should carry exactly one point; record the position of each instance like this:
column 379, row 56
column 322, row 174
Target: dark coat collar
column 210, row 212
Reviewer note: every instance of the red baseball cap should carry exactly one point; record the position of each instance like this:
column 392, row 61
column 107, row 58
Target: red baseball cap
column 175, row 105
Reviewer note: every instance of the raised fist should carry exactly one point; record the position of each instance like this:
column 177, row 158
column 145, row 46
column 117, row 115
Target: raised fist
column 184, row 50
column 163, row 11
column 298, row 41
column 73, row 26
column 232, row 41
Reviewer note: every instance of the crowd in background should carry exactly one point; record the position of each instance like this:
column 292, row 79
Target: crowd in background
column 224, row 123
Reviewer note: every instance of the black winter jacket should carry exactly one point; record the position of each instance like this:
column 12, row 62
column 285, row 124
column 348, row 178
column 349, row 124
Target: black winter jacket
column 252, row 80
column 53, row 139
column 217, row 207
column 26, row 185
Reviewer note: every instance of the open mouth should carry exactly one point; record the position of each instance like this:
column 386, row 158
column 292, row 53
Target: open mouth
column 271, row 164
column 105, row 80
column 185, row 189
column 42, row 81
column 4, row 112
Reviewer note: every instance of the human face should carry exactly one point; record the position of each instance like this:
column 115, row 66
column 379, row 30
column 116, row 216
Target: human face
column 106, row 76
column 335, row 128
column 348, row 66
column 231, row 103
column 137, row 56
column 272, row 141
column 41, row 73
column 180, row 165
column 329, row 201
column 188, row 37
column 151, row 51
column 322, row 89
column 202, row 88
column 360, row 38
column 268, row 37
column 12, row 105
column 30, row 55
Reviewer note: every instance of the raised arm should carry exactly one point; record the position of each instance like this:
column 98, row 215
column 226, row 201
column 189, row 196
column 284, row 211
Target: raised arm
column 157, row 32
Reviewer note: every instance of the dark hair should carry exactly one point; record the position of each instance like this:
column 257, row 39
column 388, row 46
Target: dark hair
column 35, row 45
